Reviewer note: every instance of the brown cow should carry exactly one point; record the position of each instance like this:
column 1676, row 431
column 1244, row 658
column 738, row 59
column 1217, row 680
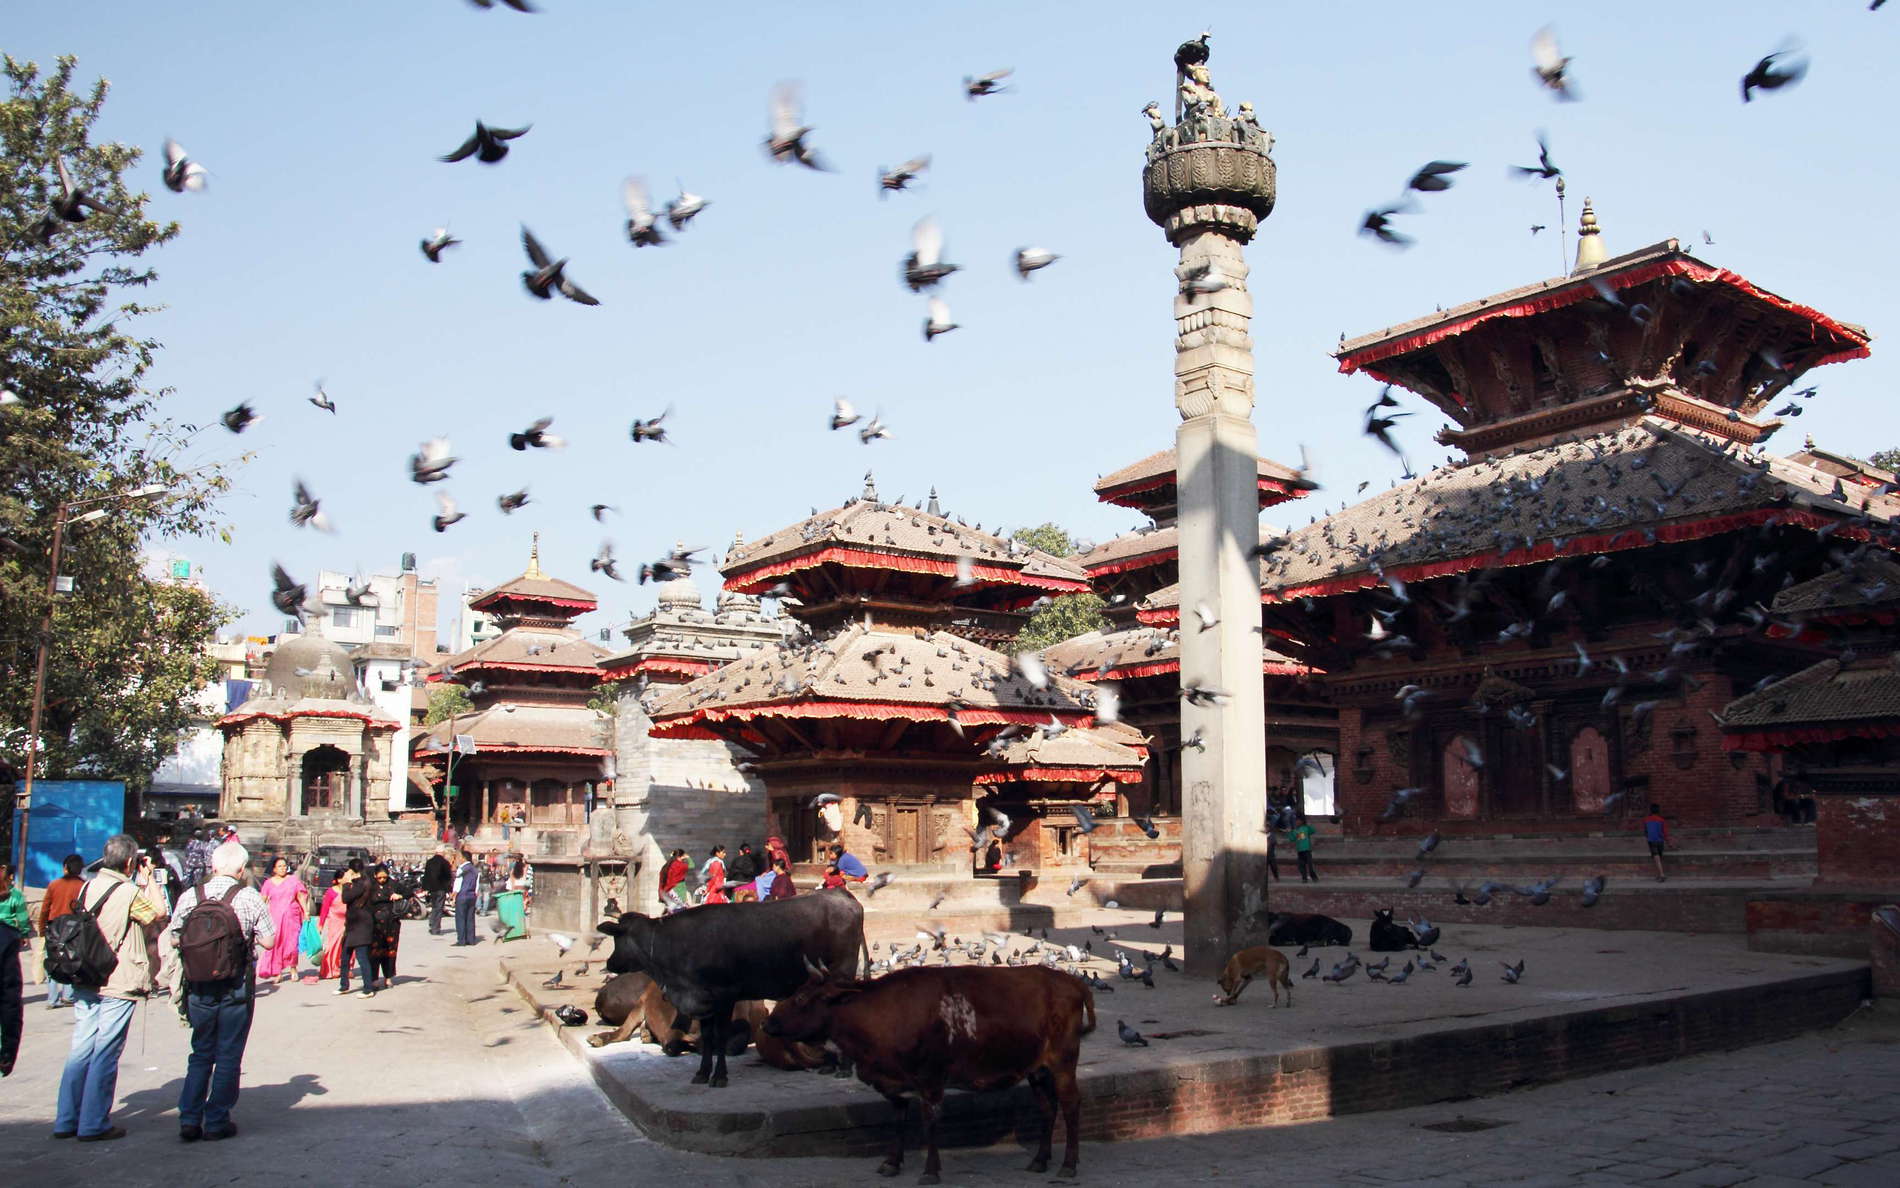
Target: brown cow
column 921, row 1031
column 637, row 1006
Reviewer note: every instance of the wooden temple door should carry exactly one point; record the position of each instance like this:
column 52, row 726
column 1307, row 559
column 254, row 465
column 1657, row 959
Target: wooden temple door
column 907, row 832
column 1514, row 770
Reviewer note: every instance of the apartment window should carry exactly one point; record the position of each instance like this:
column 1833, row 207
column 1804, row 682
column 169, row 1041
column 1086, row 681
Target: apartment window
column 344, row 616
column 388, row 632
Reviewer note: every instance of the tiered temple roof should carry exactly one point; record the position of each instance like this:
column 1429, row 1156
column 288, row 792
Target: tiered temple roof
column 1827, row 702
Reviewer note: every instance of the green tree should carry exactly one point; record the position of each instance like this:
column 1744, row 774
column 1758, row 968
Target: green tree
column 1050, row 538
column 126, row 654
column 446, row 701
column 606, row 697
column 1060, row 618
column 1888, row 459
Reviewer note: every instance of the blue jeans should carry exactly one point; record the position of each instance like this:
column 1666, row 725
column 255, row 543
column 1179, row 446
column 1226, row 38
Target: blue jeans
column 91, row 1080
column 464, row 919
column 364, row 968
column 57, row 992
column 220, row 1015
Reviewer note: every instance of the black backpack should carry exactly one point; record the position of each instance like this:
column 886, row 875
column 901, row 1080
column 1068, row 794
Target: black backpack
column 212, row 943
column 77, row 951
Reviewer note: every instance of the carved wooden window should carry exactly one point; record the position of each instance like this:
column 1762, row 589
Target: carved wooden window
column 1458, row 778
column 1589, row 770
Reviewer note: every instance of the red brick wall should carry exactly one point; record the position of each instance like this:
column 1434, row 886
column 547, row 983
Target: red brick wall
column 1709, row 791
column 1672, row 911
column 1833, row 925
column 1858, row 840
column 1885, row 948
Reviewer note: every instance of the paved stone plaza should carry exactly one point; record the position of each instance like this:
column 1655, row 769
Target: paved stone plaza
column 486, row 1096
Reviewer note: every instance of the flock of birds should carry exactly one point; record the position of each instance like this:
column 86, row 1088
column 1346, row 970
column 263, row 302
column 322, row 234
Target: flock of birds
column 1550, row 69
column 787, row 142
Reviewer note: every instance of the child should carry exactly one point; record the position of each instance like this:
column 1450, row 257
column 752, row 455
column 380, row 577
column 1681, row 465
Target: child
column 832, row 877
column 1303, row 849
column 1657, row 834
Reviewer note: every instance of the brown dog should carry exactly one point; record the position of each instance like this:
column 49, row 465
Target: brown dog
column 1248, row 964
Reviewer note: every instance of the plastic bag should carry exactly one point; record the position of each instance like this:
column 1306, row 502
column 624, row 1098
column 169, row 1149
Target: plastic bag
column 310, row 941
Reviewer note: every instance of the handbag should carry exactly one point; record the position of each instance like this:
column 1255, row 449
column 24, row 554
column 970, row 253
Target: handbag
column 310, row 940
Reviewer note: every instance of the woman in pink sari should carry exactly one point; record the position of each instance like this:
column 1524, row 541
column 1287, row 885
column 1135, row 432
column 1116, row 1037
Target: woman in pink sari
column 331, row 920
column 289, row 902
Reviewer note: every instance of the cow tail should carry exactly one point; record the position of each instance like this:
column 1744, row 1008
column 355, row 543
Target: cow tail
column 1088, row 1011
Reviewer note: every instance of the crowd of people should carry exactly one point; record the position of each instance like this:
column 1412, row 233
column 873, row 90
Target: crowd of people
column 748, row 876
column 204, row 931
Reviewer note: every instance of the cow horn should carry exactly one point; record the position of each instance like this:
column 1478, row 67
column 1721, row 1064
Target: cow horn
column 815, row 971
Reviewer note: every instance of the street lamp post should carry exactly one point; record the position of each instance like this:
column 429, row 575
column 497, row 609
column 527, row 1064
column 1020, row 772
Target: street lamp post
column 60, row 521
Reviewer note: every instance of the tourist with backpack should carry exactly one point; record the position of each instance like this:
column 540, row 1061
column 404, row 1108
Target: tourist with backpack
column 98, row 948
column 220, row 924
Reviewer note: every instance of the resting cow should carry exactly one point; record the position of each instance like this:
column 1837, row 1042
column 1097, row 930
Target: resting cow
column 709, row 959
column 1307, row 930
column 635, row 1005
column 921, row 1031
column 1386, row 936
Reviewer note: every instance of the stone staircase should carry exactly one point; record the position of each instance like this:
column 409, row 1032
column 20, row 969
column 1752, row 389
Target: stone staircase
column 1724, row 854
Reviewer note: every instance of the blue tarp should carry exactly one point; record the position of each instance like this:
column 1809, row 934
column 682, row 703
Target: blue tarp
column 69, row 817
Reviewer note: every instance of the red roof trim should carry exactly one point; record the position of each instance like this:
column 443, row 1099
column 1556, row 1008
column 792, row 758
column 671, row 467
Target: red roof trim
column 499, row 595
column 1121, row 494
column 1057, row 775
column 1581, row 290
column 1781, row 740
column 1139, row 561
column 493, row 748
column 756, row 579
column 515, row 666
column 1170, row 667
column 666, row 664
column 238, row 719
column 864, row 710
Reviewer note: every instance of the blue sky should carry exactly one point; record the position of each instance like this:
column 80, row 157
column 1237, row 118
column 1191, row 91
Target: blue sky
column 321, row 124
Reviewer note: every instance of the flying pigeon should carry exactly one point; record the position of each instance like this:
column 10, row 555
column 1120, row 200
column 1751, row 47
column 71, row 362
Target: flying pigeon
column 549, row 274
column 181, row 172
column 1030, row 259
column 488, row 145
column 786, row 142
column 985, row 84
column 643, row 226
column 681, row 210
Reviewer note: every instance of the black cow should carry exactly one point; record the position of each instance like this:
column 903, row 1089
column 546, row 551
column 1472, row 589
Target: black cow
column 710, row 958
column 1307, row 930
column 1387, row 937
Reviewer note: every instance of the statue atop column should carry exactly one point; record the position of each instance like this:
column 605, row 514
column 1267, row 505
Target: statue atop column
column 1200, row 116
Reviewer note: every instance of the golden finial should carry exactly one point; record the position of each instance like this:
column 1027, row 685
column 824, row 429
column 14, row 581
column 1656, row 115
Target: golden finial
column 1590, row 249
column 534, row 558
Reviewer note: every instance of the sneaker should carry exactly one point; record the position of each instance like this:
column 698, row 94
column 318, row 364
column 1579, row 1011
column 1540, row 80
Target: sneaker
column 341, row 990
column 189, row 1133
column 104, row 1136
column 64, row 1134
column 369, row 994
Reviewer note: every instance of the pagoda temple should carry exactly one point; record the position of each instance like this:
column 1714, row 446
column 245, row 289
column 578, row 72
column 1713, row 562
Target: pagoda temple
column 891, row 708
column 1144, row 662
column 1535, row 637
column 530, row 754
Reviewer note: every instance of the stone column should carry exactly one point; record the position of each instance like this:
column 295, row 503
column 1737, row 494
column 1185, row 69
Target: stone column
column 1208, row 183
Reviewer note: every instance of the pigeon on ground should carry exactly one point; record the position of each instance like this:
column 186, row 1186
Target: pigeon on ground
column 1513, row 972
column 1592, row 890
column 555, row 982
column 1129, row 1035
column 1313, row 972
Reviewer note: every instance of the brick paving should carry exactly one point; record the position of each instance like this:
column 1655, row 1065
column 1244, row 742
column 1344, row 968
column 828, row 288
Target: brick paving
column 445, row 1079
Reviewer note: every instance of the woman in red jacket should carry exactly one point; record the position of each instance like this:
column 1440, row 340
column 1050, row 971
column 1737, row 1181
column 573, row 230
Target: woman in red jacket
column 671, row 876
column 716, row 876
